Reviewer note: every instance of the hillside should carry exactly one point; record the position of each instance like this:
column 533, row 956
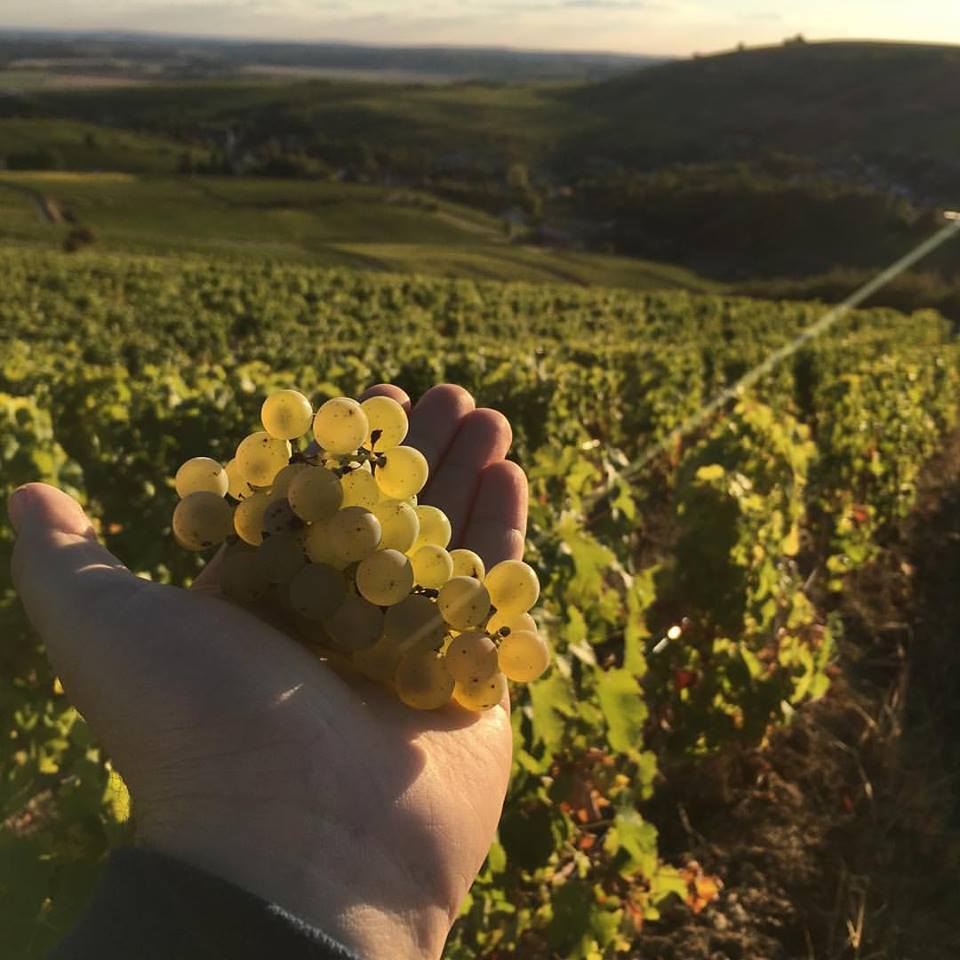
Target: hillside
column 802, row 162
column 874, row 112
column 325, row 224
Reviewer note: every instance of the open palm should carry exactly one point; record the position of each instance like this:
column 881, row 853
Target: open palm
column 248, row 757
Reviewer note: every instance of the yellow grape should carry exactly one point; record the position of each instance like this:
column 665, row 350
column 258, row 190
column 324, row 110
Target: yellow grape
column 243, row 577
column 279, row 517
column 340, row 426
column 281, row 482
column 237, row 487
column 360, row 489
column 379, row 662
column 385, row 577
column 432, row 566
column 261, row 457
column 472, row 657
column 386, row 418
column 403, row 474
column 513, row 586
column 315, row 494
column 524, row 656
column 512, row 621
column 248, row 518
column 355, row 625
column 414, row 620
column 463, row 602
column 480, row 695
column 317, row 591
column 354, row 533
column 434, row 527
column 201, row 520
column 399, row 525
column 201, row 473
column 422, row 679
column 286, row 414
column 283, row 556
column 467, row 564
column 319, row 548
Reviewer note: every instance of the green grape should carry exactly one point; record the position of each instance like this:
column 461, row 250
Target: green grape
column 279, row 517
column 403, row 474
column 467, row 564
column 201, row 473
column 414, row 620
column 399, row 525
column 355, row 625
column 315, row 494
column 317, row 591
column 360, row 489
column 472, row 657
column 261, row 457
column 422, row 679
column 283, row 556
column 237, row 487
column 524, row 656
column 387, row 419
column 480, row 695
column 463, row 602
column 513, row 586
column 512, row 621
column 432, row 566
column 434, row 527
column 201, row 520
column 281, row 482
column 385, row 577
column 319, row 547
column 354, row 533
column 243, row 577
column 340, row 426
column 286, row 414
column 248, row 518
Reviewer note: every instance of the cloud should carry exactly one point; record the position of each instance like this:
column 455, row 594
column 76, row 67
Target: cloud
column 610, row 5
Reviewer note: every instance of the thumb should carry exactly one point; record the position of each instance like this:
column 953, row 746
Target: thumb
column 68, row 582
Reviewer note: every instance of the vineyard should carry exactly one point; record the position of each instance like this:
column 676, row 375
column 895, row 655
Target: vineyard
column 690, row 605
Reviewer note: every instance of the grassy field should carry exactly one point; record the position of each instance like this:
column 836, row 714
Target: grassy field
column 319, row 223
column 85, row 146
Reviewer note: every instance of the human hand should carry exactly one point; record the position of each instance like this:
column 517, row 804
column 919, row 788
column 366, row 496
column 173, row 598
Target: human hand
column 248, row 757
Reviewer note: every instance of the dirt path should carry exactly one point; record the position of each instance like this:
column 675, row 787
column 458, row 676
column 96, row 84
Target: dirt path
column 47, row 206
column 842, row 840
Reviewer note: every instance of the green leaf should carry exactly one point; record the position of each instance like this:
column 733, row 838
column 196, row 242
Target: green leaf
column 637, row 839
column 553, row 702
column 621, row 700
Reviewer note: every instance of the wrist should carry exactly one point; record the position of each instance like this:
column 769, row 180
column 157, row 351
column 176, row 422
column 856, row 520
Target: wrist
column 328, row 888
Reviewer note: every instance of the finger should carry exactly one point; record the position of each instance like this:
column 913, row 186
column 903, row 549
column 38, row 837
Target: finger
column 436, row 419
column 69, row 584
column 208, row 580
column 387, row 390
column 484, row 437
column 497, row 526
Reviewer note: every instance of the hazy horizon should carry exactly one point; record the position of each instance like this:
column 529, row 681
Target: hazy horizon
column 653, row 27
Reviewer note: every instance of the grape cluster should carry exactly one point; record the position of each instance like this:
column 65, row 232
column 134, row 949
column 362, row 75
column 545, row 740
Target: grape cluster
column 330, row 536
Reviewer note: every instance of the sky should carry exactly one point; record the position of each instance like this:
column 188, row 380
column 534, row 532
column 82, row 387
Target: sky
column 636, row 26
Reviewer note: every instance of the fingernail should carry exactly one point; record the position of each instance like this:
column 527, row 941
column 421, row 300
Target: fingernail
column 16, row 504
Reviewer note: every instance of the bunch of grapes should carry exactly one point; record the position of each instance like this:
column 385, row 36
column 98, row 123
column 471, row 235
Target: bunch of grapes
column 330, row 537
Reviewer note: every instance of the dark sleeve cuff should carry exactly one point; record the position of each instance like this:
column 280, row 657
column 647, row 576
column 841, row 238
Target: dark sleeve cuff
column 150, row 907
